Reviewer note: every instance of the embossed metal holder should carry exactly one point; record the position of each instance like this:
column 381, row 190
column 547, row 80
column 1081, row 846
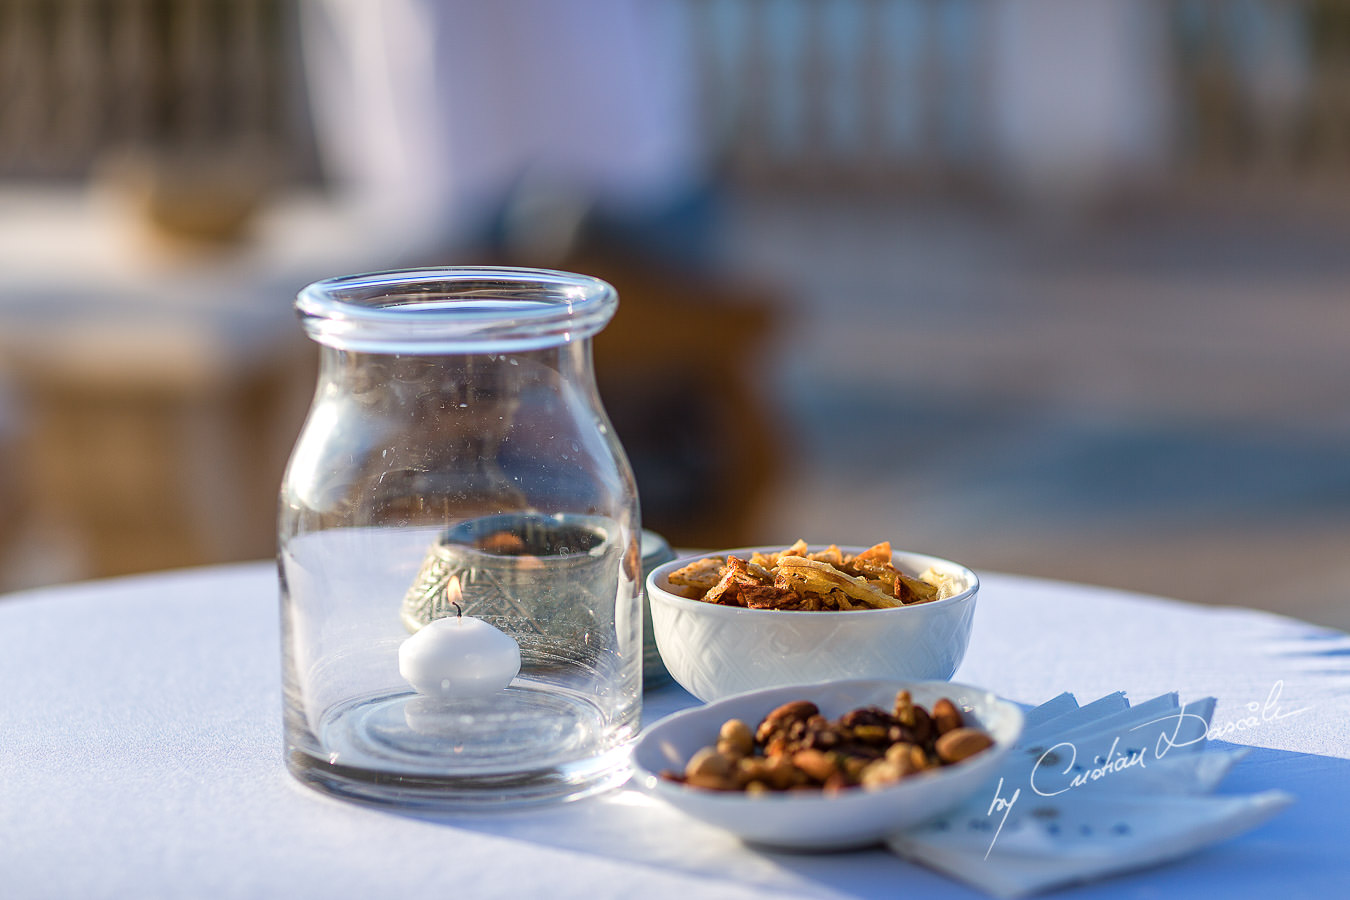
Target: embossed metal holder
column 545, row 580
column 655, row 552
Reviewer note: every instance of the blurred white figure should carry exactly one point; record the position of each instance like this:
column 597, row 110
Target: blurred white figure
column 1081, row 96
column 436, row 117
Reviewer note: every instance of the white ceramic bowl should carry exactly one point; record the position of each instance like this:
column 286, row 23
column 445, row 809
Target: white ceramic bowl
column 855, row 817
column 715, row 651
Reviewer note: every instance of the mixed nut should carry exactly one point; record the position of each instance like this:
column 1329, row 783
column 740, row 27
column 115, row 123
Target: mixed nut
column 796, row 748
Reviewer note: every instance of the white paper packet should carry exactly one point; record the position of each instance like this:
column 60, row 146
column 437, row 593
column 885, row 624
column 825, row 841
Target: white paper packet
column 1092, row 791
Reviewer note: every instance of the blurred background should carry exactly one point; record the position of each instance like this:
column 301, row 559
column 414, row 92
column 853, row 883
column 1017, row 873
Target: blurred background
column 1054, row 287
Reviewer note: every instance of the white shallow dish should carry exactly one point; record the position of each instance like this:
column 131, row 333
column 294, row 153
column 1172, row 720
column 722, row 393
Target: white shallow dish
column 715, row 651
column 856, row 817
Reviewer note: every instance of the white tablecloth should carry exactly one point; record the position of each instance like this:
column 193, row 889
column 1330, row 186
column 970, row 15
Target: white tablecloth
column 140, row 756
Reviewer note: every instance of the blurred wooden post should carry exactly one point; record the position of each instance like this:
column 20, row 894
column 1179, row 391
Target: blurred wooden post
column 158, row 452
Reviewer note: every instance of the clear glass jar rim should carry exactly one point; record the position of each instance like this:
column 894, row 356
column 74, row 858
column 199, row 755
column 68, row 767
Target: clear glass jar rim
column 455, row 309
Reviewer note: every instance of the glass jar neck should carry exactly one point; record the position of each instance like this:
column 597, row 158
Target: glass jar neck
column 357, row 373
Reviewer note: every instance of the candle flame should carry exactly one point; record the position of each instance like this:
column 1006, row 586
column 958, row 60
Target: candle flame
column 453, row 595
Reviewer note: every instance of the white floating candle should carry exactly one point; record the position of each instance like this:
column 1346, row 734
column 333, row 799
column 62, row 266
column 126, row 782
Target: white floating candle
column 457, row 657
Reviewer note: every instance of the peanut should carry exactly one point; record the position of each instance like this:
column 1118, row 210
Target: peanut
column 908, row 758
column 709, row 769
column 879, row 772
column 781, row 774
column 712, row 782
column 739, row 739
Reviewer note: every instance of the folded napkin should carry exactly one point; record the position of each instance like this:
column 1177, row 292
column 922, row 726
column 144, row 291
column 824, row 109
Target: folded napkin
column 1091, row 791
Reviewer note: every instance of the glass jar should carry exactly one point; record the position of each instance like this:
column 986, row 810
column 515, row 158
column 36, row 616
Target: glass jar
column 457, row 464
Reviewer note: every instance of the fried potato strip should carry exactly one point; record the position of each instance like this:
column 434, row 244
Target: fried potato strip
column 813, row 576
column 797, row 579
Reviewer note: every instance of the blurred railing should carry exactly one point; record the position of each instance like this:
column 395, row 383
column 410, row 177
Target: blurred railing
column 78, row 77
column 851, row 92
column 900, row 93
column 892, row 93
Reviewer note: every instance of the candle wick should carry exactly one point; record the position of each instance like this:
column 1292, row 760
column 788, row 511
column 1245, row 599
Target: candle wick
column 459, row 613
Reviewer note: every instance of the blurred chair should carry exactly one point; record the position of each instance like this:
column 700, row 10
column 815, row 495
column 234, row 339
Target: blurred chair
column 683, row 370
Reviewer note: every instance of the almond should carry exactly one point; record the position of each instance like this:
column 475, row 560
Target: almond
column 962, row 743
column 946, row 716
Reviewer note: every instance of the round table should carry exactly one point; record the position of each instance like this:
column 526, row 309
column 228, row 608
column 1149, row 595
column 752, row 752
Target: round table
column 140, row 755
